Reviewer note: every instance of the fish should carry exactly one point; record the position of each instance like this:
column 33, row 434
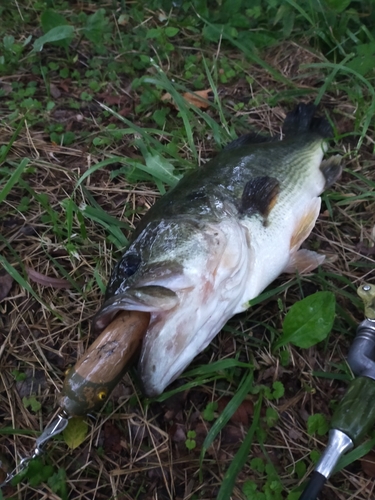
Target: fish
column 218, row 239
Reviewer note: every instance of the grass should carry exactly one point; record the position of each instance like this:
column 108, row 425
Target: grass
column 87, row 145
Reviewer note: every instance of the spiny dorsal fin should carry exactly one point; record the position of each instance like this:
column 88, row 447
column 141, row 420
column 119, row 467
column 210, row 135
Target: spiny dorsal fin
column 248, row 140
column 302, row 119
column 259, row 195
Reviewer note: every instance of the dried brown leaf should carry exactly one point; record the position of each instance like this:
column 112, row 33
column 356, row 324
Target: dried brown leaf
column 64, row 85
column 242, row 415
column 177, row 433
column 44, row 280
column 198, row 98
column 231, row 434
column 6, row 87
column 111, row 100
column 55, row 91
column 368, row 464
column 6, row 282
column 112, row 438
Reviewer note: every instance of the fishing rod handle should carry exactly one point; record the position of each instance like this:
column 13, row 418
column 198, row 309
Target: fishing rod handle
column 355, row 414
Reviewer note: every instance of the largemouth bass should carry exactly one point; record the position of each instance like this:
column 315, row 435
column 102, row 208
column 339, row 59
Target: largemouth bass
column 217, row 240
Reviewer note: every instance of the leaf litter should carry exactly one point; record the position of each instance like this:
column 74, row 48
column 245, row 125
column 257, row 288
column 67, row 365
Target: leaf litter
column 6, row 282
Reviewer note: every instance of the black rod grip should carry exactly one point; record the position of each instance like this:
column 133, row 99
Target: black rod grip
column 314, row 487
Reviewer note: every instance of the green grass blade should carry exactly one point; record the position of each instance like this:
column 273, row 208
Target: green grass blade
column 143, row 132
column 95, row 212
column 250, row 54
column 98, row 166
column 99, row 216
column 70, row 206
column 270, row 293
column 223, row 120
column 329, row 79
column 205, row 374
column 102, row 216
column 12, row 139
column 344, row 69
column 13, row 179
column 216, row 367
column 219, row 129
column 182, row 106
column 99, row 280
column 240, row 457
column 157, row 166
column 355, row 454
column 189, row 385
column 229, row 410
column 10, row 431
column 332, row 376
column 301, row 11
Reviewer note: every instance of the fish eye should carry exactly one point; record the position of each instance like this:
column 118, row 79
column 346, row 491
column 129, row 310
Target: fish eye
column 102, row 395
column 130, row 263
column 67, row 371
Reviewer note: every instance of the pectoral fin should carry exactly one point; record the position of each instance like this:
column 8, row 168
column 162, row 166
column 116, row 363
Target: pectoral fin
column 305, row 225
column 259, row 195
column 304, row 261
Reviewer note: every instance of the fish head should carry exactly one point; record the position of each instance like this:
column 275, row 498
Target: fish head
column 150, row 272
column 184, row 275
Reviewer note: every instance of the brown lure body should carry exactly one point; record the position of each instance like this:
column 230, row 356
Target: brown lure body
column 88, row 384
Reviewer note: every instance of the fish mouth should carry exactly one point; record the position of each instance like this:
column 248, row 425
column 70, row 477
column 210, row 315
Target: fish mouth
column 151, row 298
column 179, row 328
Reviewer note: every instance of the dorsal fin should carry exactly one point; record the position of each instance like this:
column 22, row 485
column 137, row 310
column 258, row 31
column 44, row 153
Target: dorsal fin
column 249, row 139
column 302, row 119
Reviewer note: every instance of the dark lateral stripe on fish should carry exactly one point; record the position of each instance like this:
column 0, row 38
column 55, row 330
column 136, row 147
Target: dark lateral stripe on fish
column 302, row 119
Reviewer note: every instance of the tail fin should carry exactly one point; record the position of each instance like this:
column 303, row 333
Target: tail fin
column 302, row 119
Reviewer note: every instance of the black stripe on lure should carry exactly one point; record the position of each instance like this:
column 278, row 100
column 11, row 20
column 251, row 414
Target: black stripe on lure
column 355, row 415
